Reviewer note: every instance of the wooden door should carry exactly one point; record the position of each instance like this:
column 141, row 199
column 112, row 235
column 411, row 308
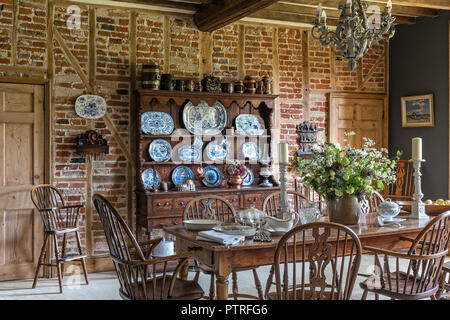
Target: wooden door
column 364, row 114
column 21, row 167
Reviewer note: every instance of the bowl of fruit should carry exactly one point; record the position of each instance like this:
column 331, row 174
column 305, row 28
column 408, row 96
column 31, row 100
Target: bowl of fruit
column 432, row 208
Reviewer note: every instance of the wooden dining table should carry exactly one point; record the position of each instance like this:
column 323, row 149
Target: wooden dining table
column 251, row 253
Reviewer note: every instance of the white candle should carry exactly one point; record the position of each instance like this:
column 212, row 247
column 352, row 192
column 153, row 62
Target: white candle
column 324, row 16
column 348, row 3
column 319, row 11
column 417, row 148
column 389, row 5
column 283, row 153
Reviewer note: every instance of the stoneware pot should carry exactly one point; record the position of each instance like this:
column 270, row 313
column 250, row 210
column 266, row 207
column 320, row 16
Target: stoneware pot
column 344, row 210
column 235, row 181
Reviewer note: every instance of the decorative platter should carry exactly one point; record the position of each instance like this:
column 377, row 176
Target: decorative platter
column 180, row 174
column 160, row 150
column 156, row 123
column 90, row 106
column 147, row 178
column 212, row 176
column 250, row 150
column 248, row 181
column 249, row 124
column 201, row 224
column 236, row 230
column 203, row 119
column 218, row 150
column 189, row 153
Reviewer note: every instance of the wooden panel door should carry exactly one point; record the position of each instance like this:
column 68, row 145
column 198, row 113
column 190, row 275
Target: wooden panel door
column 21, row 167
column 364, row 114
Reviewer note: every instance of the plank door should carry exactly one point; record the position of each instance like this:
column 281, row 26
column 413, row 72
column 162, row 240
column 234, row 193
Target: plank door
column 364, row 114
column 21, row 167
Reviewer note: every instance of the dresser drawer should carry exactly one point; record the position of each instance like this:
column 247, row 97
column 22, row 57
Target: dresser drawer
column 234, row 200
column 253, row 199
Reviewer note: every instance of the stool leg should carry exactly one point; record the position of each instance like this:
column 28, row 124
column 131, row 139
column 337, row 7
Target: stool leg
column 63, row 253
column 58, row 263
column 212, row 292
column 258, row 284
column 40, row 260
column 235, row 285
column 364, row 296
column 83, row 260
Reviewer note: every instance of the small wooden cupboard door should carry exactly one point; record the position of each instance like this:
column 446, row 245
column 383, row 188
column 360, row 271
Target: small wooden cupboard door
column 364, row 114
column 21, row 167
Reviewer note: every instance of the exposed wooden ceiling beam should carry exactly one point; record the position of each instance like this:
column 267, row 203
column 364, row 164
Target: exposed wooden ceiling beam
column 284, row 6
column 221, row 13
column 433, row 4
column 297, row 17
column 167, row 4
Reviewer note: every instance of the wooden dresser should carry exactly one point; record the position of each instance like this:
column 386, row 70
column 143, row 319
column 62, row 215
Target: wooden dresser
column 166, row 207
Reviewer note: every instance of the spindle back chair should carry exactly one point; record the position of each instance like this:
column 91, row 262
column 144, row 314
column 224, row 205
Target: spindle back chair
column 132, row 261
column 425, row 258
column 369, row 205
column 403, row 187
column 58, row 219
column 333, row 256
column 218, row 208
column 271, row 204
column 209, row 207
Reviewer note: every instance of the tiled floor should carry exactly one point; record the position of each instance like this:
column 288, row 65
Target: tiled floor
column 104, row 286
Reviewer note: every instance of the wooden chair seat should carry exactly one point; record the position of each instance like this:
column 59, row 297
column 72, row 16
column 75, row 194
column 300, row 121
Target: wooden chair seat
column 396, row 286
column 183, row 290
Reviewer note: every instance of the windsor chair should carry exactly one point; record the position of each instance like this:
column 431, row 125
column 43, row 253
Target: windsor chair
column 218, row 208
column 425, row 258
column 133, row 262
column 59, row 219
column 333, row 259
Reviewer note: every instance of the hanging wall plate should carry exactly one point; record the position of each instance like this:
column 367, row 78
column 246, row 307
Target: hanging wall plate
column 90, row 106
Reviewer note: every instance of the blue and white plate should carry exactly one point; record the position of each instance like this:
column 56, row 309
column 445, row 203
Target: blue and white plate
column 90, row 106
column 248, row 181
column 251, row 151
column 249, row 124
column 218, row 150
column 189, row 153
column 212, row 176
column 147, row 178
column 156, row 123
column 181, row 174
column 203, row 119
column 160, row 150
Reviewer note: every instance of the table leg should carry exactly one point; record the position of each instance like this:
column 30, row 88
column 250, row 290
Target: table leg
column 222, row 271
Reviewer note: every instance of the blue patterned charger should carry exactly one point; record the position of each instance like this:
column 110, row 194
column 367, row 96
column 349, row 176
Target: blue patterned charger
column 90, row 106
column 250, row 150
column 203, row 119
column 147, row 178
column 189, row 153
column 249, row 124
column 181, row 174
column 218, row 151
column 248, row 181
column 156, row 123
column 212, row 176
column 160, row 150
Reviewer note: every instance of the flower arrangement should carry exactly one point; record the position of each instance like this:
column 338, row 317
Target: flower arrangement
column 335, row 172
column 235, row 168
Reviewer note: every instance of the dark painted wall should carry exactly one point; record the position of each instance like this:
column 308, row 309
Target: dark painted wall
column 418, row 63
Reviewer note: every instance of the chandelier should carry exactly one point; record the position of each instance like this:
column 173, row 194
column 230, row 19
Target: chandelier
column 356, row 30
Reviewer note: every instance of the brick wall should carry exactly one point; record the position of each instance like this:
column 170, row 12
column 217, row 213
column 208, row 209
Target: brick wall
column 266, row 47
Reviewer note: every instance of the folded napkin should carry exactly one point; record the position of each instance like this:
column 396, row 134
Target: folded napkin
column 219, row 237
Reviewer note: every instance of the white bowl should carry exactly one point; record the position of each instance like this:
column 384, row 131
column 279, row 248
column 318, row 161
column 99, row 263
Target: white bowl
column 201, row 224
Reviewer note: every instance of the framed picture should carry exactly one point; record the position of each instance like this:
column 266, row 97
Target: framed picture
column 418, row 111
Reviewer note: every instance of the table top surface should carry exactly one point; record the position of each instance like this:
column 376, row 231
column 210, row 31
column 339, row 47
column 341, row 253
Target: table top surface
column 367, row 228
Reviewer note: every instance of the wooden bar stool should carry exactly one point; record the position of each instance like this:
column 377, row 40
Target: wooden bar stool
column 58, row 219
